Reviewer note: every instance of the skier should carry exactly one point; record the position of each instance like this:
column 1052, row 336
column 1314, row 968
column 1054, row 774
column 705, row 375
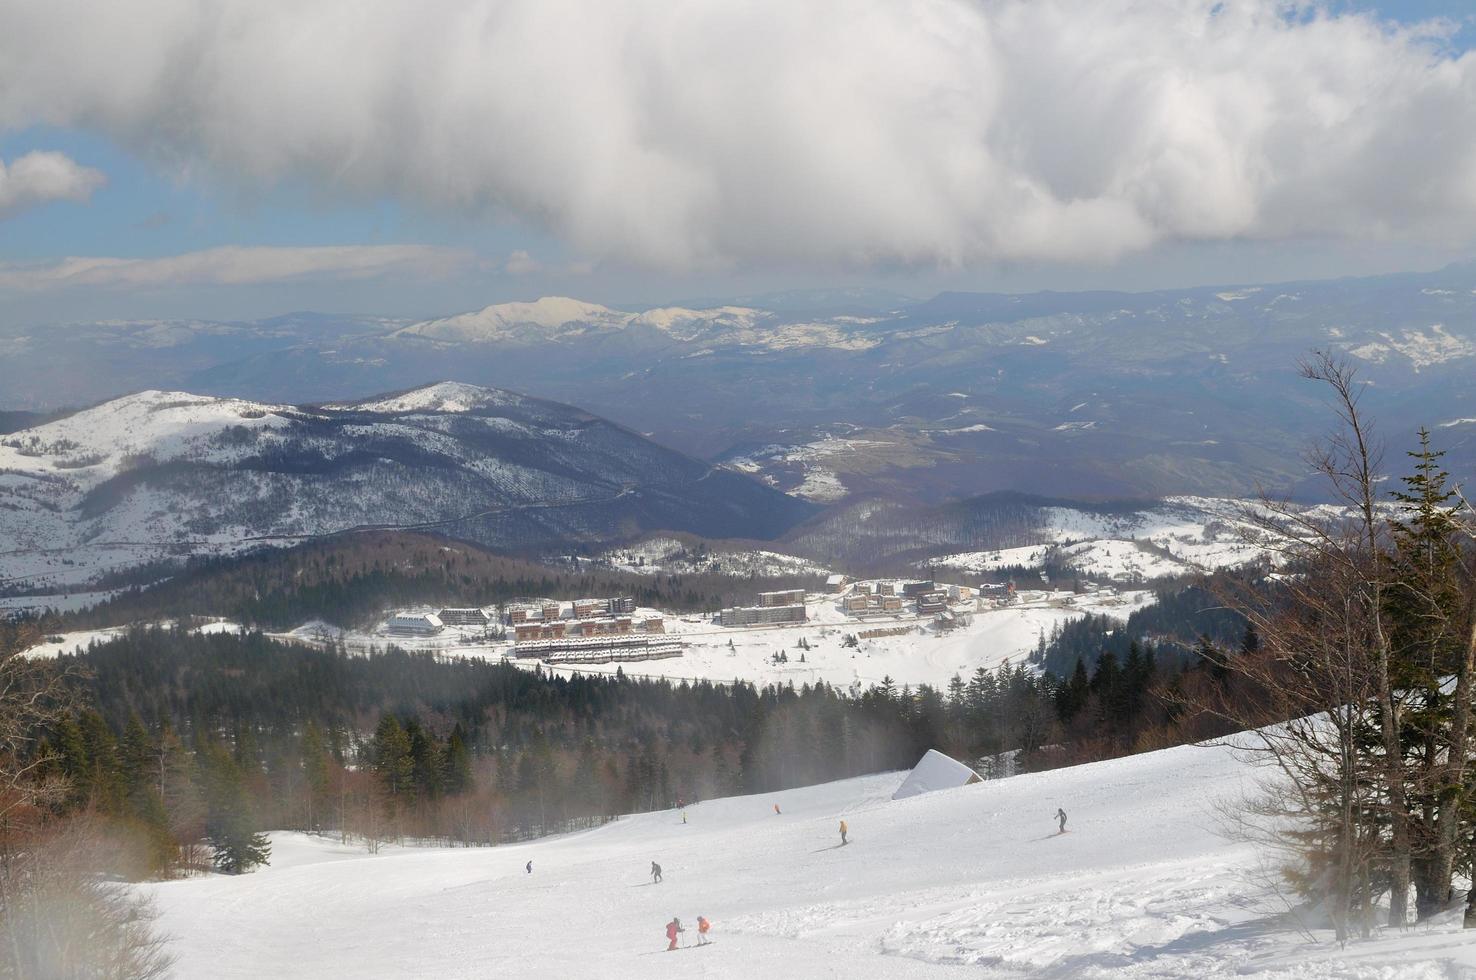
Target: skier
column 530, row 867
column 684, row 817
column 1061, row 816
column 702, row 926
column 673, row 928
column 655, row 873
column 843, row 833
column 776, row 810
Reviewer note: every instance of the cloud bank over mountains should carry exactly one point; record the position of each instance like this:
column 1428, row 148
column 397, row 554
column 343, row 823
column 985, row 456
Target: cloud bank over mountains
column 241, row 266
column 837, row 133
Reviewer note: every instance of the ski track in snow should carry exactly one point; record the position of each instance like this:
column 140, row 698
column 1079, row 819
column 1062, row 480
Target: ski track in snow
column 970, row 882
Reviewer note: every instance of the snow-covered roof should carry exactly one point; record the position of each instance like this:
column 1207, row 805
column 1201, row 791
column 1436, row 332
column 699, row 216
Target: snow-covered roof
column 935, row 771
column 416, row 619
column 836, row 580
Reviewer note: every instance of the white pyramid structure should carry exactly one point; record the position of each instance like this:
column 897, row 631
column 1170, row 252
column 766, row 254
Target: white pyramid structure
column 935, row 771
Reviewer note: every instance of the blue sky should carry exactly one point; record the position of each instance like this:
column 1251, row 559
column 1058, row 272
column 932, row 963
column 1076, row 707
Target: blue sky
column 514, row 234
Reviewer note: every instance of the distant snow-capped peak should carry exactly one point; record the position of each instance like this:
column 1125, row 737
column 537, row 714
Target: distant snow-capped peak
column 443, row 396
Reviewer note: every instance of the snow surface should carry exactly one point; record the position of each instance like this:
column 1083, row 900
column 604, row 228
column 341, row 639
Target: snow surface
column 970, row 882
column 1179, row 536
column 444, row 396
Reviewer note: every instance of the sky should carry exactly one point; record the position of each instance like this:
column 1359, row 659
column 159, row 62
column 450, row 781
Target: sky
column 165, row 158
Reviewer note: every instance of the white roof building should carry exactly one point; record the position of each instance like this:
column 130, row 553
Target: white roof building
column 423, row 624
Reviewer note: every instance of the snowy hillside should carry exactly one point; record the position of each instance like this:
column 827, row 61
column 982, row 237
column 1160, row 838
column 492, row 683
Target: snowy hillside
column 971, row 882
column 143, row 474
column 1179, row 536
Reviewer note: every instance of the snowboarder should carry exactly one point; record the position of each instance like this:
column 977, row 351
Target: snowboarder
column 843, row 833
column 655, row 873
column 1061, row 816
column 776, row 809
column 530, row 867
column 673, row 929
column 702, row 926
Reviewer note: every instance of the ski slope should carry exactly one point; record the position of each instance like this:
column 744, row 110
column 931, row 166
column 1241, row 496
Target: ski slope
column 972, row 882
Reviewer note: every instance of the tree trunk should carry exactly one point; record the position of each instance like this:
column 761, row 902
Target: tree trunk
column 1454, row 792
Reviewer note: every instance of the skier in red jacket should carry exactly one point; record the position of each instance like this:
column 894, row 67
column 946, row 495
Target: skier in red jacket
column 673, row 928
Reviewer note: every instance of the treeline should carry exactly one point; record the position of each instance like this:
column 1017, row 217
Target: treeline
column 351, row 579
column 397, row 744
column 196, row 739
column 1177, row 623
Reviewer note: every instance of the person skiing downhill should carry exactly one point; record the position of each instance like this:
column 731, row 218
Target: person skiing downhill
column 843, row 833
column 655, row 873
column 1061, row 816
column 702, row 926
column 776, row 809
column 530, row 867
column 673, row 929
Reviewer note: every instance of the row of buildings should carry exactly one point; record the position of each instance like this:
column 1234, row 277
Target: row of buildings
column 547, row 612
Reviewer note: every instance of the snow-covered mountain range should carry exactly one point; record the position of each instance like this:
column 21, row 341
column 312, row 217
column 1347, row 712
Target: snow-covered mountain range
column 172, row 469
column 1093, row 394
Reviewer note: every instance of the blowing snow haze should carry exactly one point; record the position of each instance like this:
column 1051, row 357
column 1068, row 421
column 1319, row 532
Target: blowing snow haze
column 475, row 451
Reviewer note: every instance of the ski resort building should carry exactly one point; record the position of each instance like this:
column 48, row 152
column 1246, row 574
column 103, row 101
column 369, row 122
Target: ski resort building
column 914, row 589
column 789, row 597
column 868, row 603
column 836, row 584
column 931, row 602
column 414, row 624
column 463, row 617
column 762, row 615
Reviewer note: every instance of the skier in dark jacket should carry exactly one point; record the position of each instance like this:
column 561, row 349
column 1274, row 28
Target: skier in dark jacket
column 530, row 867
column 655, row 873
column 1061, row 816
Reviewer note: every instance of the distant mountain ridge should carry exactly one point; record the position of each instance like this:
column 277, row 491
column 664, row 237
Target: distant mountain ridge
column 174, row 469
column 837, row 394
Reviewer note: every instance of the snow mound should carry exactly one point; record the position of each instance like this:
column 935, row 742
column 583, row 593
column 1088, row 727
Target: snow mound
column 935, row 771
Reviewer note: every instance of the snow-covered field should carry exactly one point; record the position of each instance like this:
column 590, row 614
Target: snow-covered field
column 971, row 882
column 922, row 655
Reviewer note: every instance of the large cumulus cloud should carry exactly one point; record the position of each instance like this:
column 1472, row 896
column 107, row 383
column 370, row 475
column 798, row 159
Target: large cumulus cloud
column 851, row 132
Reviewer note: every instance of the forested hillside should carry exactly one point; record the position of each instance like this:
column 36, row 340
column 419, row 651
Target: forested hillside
column 351, row 579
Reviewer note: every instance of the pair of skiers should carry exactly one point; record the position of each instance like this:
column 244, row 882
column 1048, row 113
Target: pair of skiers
column 674, row 929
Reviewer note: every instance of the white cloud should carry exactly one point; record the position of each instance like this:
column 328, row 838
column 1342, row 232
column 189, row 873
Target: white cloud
column 837, row 132
column 235, row 266
column 41, row 177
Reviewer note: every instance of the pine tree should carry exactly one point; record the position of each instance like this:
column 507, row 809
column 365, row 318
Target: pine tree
column 390, row 752
column 456, row 774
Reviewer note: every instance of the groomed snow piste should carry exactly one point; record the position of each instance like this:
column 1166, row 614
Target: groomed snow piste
column 970, row 882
